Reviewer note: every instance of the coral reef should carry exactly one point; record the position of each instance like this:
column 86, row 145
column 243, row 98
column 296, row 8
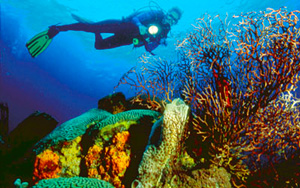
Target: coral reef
column 46, row 166
column 92, row 160
column 62, row 162
column 131, row 115
column 102, row 151
column 70, row 158
column 73, row 182
column 155, row 159
column 109, row 163
column 114, row 103
column 201, row 178
column 153, row 81
column 238, row 125
column 71, row 129
column 234, row 76
column 117, row 158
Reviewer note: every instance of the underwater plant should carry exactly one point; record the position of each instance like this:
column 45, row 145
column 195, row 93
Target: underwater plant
column 155, row 79
column 238, row 76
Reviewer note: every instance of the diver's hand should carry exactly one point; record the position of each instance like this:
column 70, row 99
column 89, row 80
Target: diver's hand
column 143, row 30
column 53, row 30
column 163, row 41
column 152, row 53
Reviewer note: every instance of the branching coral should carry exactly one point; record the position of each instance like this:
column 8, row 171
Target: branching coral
column 247, row 115
column 233, row 76
column 154, row 78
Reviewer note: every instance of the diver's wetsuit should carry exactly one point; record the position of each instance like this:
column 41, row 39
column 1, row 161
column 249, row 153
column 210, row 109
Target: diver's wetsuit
column 124, row 30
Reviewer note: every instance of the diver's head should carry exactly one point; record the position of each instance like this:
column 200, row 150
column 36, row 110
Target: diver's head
column 173, row 15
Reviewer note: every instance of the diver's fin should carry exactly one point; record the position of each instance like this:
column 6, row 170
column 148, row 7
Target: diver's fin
column 38, row 43
column 81, row 20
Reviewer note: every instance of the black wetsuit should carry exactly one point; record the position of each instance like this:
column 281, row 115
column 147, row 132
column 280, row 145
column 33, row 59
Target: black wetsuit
column 125, row 30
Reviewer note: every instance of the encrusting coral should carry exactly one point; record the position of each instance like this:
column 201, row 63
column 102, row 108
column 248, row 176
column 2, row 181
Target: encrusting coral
column 117, row 158
column 70, row 158
column 46, row 165
column 63, row 162
column 201, row 178
column 109, row 163
column 154, row 160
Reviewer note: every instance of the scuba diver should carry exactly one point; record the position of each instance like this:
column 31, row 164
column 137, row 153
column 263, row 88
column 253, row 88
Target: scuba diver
column 142, row 28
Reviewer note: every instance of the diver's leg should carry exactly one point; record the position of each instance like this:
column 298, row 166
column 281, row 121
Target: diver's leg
column 98, row 40
column 112, row 42
column 107, row 26
column 123, row 35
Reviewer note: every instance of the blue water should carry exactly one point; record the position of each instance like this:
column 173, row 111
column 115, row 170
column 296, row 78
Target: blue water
column 70, row 76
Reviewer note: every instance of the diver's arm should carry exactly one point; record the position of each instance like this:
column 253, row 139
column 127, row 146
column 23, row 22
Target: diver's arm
column 143, row 17
column 152, row 43
column 136, row 21
column 151, row 46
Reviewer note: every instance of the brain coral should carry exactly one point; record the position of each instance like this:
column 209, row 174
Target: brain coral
column 131, row 115
column 71, row 129
column 73, row 182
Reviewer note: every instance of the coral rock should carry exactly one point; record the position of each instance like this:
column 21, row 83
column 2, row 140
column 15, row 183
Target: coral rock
column 114, row 103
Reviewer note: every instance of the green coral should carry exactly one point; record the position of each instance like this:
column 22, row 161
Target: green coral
column 132, row 115
column 95, row 117
column 71, row 129
column 18, row 184
column 108, row 131
column 73, row 182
